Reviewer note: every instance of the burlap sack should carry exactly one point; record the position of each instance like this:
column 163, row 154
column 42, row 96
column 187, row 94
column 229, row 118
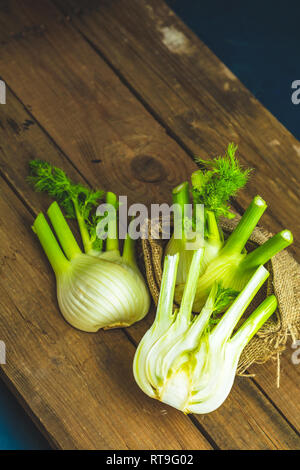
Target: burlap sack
column 284, row 282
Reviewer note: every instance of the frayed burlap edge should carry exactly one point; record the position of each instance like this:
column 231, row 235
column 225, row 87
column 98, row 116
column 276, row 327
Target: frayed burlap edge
column 284, row 282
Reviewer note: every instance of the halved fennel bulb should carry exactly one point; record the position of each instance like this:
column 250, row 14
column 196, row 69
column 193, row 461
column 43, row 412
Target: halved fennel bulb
column 105, row 290
column 184, row 360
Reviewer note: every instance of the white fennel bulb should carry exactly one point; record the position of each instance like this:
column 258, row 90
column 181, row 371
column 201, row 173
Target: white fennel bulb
column 97, row 293
column 97, row 290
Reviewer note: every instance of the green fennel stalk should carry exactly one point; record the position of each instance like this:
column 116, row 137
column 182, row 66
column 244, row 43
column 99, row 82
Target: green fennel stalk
column 99, row 288
column 224, row 261
column 77, row 200
column 233, row 266
column 212, row 187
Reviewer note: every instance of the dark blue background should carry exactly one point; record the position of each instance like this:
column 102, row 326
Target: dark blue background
column 260, row 42
column 16, row 429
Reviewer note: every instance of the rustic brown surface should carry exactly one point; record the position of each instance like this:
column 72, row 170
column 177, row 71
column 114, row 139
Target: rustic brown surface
column 195, row 96
column 72, row 109
column 79, row 386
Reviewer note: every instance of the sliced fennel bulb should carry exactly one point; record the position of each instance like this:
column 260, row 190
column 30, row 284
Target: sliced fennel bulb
column 183, row 360
column 105, row 290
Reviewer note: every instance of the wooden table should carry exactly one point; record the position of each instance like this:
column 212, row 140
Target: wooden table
column 121, row 95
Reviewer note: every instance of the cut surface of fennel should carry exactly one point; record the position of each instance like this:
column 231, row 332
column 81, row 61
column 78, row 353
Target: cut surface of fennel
column 183, row 360
column 95, row 289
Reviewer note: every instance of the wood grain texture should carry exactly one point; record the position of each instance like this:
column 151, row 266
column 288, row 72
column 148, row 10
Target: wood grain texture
column 248, row 419
column 196, row 97
column 238, row 431
column 285, row 397
column 86, row 121
column 86, row 109
column 79, row 386
column 201, row 103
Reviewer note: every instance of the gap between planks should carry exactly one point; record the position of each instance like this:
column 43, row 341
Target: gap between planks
column 127, row 334
column 83, row 26
column 66, row 156
column 124, row 331
column 135, row 92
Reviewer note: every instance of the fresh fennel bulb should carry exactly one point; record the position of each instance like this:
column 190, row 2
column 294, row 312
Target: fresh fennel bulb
column 96, row 289
column 224, row 261
column 233, row 266
column 211, row 243
column 212, row 187
column 184, row 360
column 93, row 292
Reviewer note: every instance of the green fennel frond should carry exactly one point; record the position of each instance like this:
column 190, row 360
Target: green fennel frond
column 220, row 180
column 53, row 181
column 224, row 298
column 91, row 223
column 76, row 200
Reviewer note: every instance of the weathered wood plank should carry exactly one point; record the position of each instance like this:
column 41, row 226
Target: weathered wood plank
column 247, row 419
column 258, row 416
column 177, row 81
column 196, row 97
column 79, row 386
column 135, row 42
column 23, row 145
column 87, row 109
column 285, row 396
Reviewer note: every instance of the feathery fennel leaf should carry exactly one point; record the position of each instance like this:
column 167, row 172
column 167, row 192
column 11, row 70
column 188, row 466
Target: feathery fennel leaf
column 224, row 298
column 220, row 180
column 76, row 199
